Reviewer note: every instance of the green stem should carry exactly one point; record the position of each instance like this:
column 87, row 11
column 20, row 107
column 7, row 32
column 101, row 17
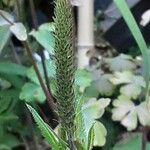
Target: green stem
column 47, row 94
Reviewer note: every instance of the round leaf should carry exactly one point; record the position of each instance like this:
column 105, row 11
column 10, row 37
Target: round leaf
column 19, row 31
column 45, row 38
column 104, row 86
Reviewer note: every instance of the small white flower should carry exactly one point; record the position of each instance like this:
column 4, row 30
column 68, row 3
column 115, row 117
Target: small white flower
column 145, row 18
column 37, row 57
column 46, row 54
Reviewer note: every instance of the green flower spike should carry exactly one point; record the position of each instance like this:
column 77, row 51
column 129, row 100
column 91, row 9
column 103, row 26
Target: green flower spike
column 65, row 68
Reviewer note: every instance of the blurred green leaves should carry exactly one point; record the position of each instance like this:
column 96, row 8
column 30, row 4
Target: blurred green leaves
column 129, row 114
column 4, row 34
column 44, row 35
column 131, row 84
column 54, row 141
column 19, row 31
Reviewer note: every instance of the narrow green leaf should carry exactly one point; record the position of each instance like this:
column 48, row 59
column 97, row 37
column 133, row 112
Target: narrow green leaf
column 79, row 121
column 130, row 21
column 15, row 80
column 91, row 138
column 12, row 68
column 55, row 142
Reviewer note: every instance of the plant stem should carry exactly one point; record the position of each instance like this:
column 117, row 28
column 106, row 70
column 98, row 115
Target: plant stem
column 145, row 131
column 45, row 90
column 18, row 61
column 47, row 94
column 35, row 25
column 45, row 71
column 6, row 18
column 18, row 10
column 33, row 14
column 29, row 52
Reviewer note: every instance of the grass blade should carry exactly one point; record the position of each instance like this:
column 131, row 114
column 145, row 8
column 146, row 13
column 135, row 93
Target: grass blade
column 132, row 25
column 55, row 142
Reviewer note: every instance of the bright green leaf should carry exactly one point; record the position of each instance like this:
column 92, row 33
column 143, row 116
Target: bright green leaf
column 91, row 138
column 55, row 142
column 45, row 37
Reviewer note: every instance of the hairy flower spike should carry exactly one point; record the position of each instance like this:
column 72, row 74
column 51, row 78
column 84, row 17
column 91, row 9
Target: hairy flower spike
column 64, row 62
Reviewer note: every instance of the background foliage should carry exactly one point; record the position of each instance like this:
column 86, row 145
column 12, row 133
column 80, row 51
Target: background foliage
column 110, row 92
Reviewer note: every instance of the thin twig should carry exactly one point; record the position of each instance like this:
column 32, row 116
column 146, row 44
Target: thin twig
column 15, row 53
column 145, row 131
column 18, row 10
column 33, row 14
column 43, row 115
column 45, row 71
column 45, row 89
column 47, row 94
column 35, row 26
column 6, row 18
